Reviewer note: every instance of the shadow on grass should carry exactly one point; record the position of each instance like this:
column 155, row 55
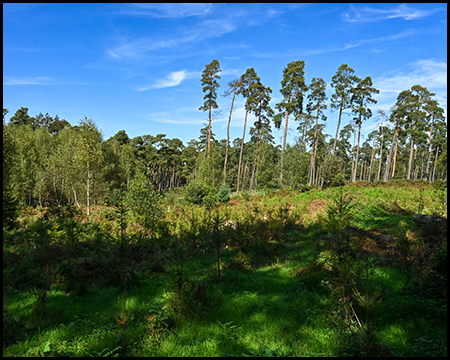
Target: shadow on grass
column 258, row 306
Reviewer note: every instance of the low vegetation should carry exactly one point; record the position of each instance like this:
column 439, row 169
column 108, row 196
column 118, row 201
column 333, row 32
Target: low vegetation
column 343, row 271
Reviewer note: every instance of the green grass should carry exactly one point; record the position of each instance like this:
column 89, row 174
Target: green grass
column 278, row 296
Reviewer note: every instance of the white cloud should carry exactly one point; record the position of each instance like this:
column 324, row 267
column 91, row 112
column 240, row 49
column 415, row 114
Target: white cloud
column 402, row 11
column 173, row 79
column 38, row 80
column 428, row 73
column 380, row 40
column 139, row 48
column 168, row 10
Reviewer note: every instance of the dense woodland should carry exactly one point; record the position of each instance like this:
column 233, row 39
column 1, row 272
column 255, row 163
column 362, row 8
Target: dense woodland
column 48, row 161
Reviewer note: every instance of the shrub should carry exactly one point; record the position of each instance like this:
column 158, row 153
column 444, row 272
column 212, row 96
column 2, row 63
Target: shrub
column 209, row 200
column 197, row 190
column 171, row 198
column 145, row 204
column 438, row 184
column 224, row 194
column 338, row 180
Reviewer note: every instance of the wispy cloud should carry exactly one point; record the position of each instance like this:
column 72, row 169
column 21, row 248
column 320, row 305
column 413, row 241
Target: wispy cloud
column 173, row 79
column 429, row 73
column 168, row 10
column 137, row 49
column 402, row 11
column 380, row 40
column 38, row 80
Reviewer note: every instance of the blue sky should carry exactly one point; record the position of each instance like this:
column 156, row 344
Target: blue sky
column 137, row 67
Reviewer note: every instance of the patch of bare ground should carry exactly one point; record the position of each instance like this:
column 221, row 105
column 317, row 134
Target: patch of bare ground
column 316, row 206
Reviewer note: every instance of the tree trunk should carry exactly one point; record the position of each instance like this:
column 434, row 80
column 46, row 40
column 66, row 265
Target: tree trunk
column 411, row 155
column 429, row 148
column 209, row 131
column 389, row 159
column 362, row 169
column 313, row 154
column 371, row 161
column 228, row 140
column 381, row 159
column 173, row 176
column 75, row 197
column 357, row 151
column 337, row 130
column 435, row 162
column 395, row 154
column 283, row 149
column 242, row 149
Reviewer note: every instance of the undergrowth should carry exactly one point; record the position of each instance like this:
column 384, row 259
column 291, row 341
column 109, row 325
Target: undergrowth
column 339, row 272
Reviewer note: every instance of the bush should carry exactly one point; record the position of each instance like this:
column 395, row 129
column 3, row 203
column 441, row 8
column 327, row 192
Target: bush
column 144, row 202
column 338, row 180
column 224, row 194
column 439, row 184
column 197, row 190
column 209, row 200
column 171, row 198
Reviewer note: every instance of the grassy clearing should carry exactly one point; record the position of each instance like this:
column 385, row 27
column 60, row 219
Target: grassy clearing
column 263, row 277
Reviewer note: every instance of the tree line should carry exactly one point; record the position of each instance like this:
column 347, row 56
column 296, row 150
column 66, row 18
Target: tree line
column 46, row 160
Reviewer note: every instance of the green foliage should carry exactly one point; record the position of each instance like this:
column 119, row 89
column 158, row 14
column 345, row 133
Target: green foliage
column 224, row 193
column 338, row 180
column 144, row 203
column 198, row 192
column 339, row 211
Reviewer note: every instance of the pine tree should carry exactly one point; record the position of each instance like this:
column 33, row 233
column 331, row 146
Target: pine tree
column 316, row 104
column 210, row 86
column 343, row 81
column 234, row 87
column 361, row 98
column 293, row 90
column 249, row 81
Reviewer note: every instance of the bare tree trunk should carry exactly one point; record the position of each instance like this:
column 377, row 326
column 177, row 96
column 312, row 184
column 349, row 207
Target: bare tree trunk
column 357, row 152
column 374, row 150
column 242, row 149
column 381, row 159
column 337, row 130
column 362, row 169
column 75, row 197
column 313, row 154
column 228, row 139
column 429, row 147
column 209, row 131
column 395, row 154
column 173, row 176
column 388, row 162
column 435, row 162
column 411, row 153
column 283, row 149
